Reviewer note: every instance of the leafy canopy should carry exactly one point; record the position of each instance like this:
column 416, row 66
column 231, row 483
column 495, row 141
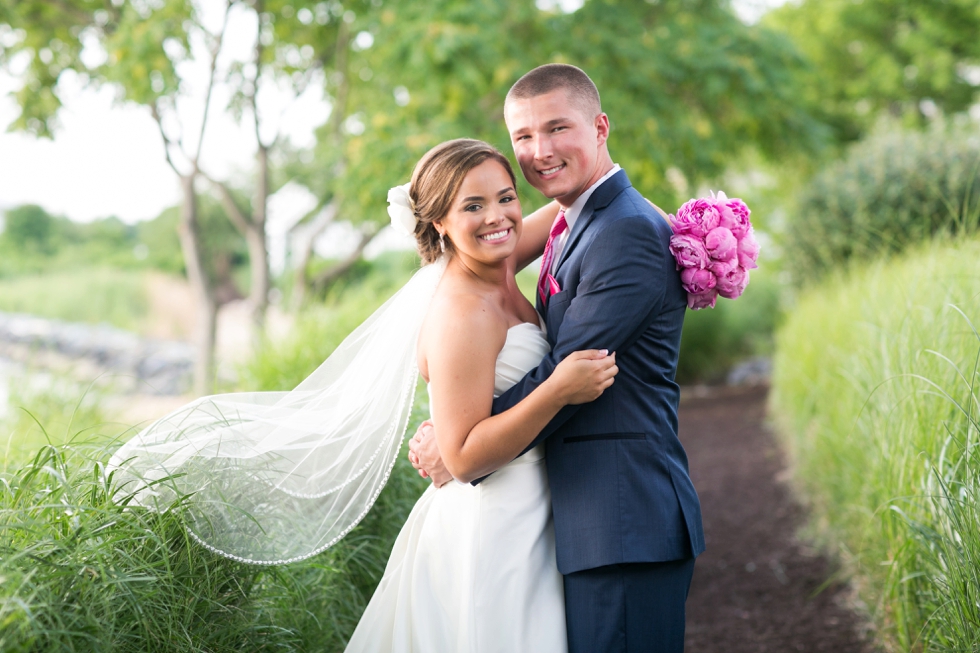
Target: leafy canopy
column 903, row 58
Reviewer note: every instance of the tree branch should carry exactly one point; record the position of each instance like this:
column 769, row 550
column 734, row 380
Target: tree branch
column 258, row 73
column 167, row 143
column 215, row 51
column 235, row 214
column 337, row 270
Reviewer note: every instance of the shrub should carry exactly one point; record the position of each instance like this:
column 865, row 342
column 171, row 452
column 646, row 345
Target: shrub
column 715, row 339
column 875, row 390
column 894, row 189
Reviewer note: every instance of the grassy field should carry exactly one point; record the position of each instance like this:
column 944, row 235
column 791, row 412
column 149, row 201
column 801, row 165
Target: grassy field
column 875, row 390
column 93, row 295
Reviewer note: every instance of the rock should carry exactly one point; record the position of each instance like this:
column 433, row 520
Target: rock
column 755, row 371
column 155, row 366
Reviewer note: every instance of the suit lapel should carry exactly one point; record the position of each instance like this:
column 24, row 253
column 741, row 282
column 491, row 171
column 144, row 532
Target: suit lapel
column 601, row 197
column 583, row 220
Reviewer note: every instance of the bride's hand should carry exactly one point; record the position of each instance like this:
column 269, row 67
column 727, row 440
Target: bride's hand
column 583, row 376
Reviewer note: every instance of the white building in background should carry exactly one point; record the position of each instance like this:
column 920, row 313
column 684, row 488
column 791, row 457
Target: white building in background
column 285, row 235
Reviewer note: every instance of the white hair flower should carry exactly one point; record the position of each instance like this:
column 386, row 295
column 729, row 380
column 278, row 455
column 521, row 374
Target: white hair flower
column 401, row 209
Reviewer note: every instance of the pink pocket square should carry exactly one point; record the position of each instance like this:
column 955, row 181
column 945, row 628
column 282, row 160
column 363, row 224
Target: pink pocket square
column 553, row 286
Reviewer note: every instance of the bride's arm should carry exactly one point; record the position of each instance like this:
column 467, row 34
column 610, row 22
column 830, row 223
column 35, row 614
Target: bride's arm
column 461, row 355
column 535, row 235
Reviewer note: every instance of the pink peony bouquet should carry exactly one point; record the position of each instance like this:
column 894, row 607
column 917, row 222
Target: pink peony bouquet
column 715, row 247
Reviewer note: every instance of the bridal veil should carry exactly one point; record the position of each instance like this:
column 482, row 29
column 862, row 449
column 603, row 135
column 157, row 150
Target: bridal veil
column 275, row 477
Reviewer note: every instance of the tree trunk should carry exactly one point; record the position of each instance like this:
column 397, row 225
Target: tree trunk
column 197, row 274
column 307, row 234
column 258, row 251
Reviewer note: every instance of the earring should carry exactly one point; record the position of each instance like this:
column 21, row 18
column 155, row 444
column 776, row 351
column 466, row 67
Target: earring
column 442, row 243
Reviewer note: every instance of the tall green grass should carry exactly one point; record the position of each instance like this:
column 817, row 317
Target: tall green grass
column 80, row 571
column 875, row 390
column 50, row 410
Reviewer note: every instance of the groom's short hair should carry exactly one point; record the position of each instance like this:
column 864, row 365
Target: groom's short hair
column 549, row 77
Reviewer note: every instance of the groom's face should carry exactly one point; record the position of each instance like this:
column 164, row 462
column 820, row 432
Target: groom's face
column 557, row 144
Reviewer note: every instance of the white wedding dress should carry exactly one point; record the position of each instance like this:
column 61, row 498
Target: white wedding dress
column 473, row 569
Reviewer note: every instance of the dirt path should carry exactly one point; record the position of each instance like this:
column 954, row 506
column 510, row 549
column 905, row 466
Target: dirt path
column 756, row 588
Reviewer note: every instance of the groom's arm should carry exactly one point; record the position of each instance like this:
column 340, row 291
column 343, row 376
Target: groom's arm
column 622, row 281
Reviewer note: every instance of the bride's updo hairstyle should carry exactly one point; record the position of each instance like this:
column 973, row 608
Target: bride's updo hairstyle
column 436, row 182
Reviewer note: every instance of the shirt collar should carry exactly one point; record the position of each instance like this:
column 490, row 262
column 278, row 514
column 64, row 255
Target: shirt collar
column 572, row 212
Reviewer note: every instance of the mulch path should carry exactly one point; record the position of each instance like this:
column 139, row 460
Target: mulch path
column 757, row 587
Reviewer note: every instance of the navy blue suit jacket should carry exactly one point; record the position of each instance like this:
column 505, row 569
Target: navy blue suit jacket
column 619, row 479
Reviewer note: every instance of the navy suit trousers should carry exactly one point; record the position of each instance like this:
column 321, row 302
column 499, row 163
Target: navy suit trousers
column 628, row 608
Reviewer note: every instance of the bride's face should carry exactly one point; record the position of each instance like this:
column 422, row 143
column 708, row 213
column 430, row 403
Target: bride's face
column 484, row 222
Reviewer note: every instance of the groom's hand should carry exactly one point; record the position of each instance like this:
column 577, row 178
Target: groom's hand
column 423, row 453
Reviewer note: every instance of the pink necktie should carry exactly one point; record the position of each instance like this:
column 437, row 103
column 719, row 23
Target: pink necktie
column 547, row 286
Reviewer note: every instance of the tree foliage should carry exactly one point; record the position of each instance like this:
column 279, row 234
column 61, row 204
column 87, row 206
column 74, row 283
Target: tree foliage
column 904, row 58
column 28, row 227
column 688, row 87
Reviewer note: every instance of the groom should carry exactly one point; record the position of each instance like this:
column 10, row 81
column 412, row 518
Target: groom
column 627, row 518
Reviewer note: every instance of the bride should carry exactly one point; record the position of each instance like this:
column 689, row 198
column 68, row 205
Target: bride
column 275, row 477
column 473, row 569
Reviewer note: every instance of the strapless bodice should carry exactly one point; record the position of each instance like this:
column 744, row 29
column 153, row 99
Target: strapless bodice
column 524, row 348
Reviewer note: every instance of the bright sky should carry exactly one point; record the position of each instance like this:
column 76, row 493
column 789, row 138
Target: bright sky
column 107, row 158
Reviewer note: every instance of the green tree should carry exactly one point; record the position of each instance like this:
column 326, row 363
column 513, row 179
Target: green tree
column 30, row 228
column 907, row 59
column 687, row 86
column 418, row 73
column 148, row 49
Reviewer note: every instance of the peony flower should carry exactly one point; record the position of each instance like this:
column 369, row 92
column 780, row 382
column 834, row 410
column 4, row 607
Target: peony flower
column 696, row 218
column 733, row 284
column 735, row 217
column 721, row 268
column 688, row 251
column 696, row 280
column 748, row 250
column 721, row 244
column 704, row 300
column 401, row 210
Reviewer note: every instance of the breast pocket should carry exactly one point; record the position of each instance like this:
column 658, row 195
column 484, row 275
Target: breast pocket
column 557, row 305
